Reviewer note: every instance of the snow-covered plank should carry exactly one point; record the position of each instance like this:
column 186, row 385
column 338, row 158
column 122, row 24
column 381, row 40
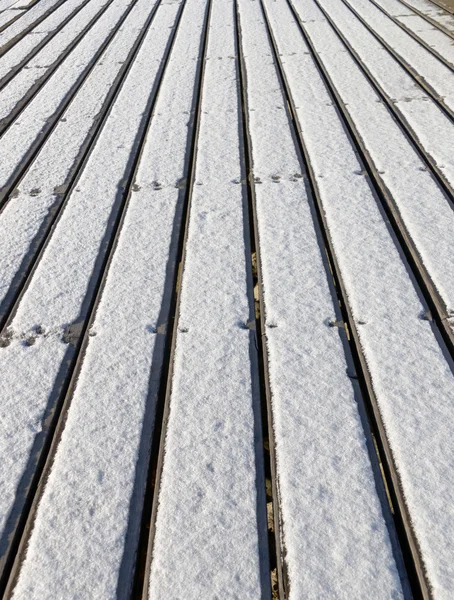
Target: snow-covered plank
column 23, row 221
column 208, row 542
column 421, row 27
column 423, row 206
column 329, row 502
column 62, row 285
column 26, row 21
column 20, row 137
column 25, row 47
column 424, row 64
column 436, row 13
column 95, row 490
column 413, row 382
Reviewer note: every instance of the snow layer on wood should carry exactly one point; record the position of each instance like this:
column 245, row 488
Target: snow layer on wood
column 18, row 139
column 61, row 288
column 23, row 220
column 435, row 73
column 4, row 4
column 335, row 537
column 22, row 49
column 95, row 491
column 434, row 12
column 412, row 380
column 433, row 129
column 424, row 208
column 436, row 39
column 8, row 16
column 24, row 3
column 26, row 20
column 55, row 47
column 207, row 542
column 48, row 99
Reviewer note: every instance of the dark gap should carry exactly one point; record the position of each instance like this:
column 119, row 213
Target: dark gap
column 278, row 578
column 443, row 5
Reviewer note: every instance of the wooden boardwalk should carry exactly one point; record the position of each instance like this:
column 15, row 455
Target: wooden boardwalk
column 226, row 299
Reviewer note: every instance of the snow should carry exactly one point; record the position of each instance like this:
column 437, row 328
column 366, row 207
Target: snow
column 210, row 537
column 24, row 48
column 412, row 380
column 431, row 126
column 435, row 38
column 116, row 382
column 423, row 63
column 9, row 35
column 5, row 4
column 207, row 541
column 24, row 3
column 436, row 13
column 423, row 206
column 8, row 16
column 19, row 138
column 61, row 287
column 332, row 518
column 27, row 212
